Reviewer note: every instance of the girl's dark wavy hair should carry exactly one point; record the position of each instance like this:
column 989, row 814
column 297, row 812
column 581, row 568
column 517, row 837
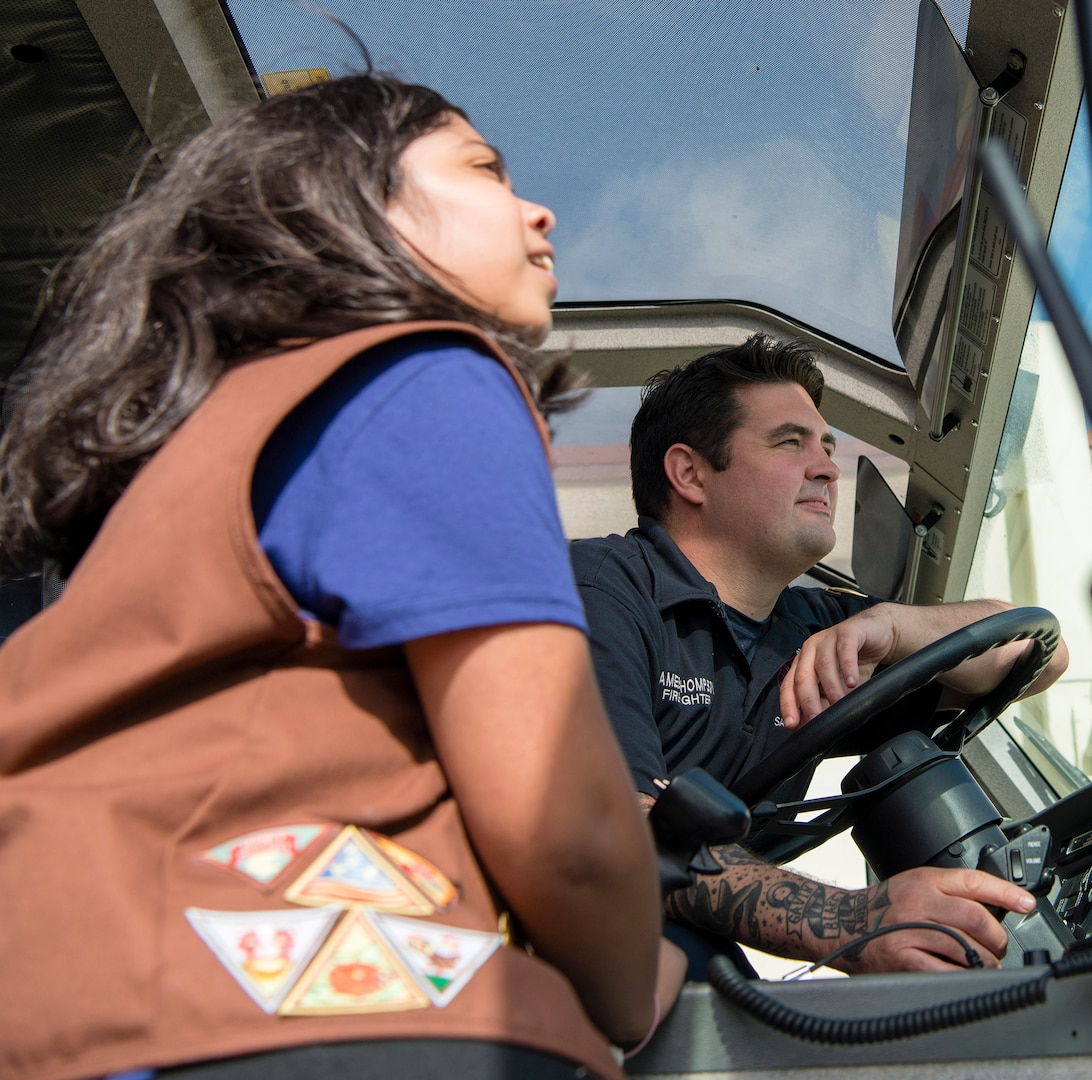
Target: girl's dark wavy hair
column 267, row 227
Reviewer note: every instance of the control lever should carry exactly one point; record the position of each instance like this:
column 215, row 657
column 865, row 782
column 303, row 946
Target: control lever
column 694, row 810
column 1022, row 860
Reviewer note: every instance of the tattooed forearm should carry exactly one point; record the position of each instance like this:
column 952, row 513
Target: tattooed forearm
column 727, row 903
column 762, row 905
column 826, row 912
column 756, row 903
column 712, row 904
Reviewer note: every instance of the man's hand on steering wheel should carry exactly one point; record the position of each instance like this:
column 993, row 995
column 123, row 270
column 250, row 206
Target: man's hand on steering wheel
column 834, row 661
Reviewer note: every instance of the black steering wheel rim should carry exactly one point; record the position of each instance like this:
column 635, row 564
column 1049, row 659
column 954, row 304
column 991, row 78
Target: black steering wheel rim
column 890, row 685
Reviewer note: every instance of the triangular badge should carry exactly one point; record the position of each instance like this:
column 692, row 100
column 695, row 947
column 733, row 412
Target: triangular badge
column 354, row 972
column 431, row 881
column 265, row 951
column 262, row 856
column 353, row 870
column 442, row 958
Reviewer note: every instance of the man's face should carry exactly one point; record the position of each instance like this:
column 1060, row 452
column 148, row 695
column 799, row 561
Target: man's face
column 775, row 501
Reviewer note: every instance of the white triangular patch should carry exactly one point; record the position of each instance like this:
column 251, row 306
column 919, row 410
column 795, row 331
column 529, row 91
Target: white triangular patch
column 442, row 959
column 265, row 951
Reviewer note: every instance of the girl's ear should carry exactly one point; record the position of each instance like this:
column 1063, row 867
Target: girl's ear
column 682, row 467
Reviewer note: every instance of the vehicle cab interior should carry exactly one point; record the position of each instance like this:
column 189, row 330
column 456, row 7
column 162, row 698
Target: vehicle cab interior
column 811, row 171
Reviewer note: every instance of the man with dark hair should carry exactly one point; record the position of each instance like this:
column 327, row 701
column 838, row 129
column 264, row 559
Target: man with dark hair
column 706, row 656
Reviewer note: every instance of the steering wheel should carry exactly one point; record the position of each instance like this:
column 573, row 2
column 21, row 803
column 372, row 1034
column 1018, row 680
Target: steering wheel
column 811, row 742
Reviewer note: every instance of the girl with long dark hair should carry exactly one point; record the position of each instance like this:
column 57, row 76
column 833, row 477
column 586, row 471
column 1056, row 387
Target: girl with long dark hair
column 307, row 771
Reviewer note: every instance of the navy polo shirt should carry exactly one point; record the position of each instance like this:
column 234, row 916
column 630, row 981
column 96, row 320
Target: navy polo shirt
column 674, row 670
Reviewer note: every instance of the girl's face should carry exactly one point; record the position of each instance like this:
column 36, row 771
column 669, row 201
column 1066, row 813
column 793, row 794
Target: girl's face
column 459, row 218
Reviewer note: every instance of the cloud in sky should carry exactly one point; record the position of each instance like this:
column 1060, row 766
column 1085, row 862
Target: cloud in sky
column 772, row 225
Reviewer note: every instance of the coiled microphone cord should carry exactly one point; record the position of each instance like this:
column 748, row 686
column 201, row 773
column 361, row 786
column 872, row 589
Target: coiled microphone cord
column 747, row 995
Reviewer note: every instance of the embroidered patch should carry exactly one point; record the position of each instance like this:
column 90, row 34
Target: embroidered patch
column 419, row 870
column 354, row 972
column 265, row 951
column 354, row 870
column 264, row 855
column 442, row 959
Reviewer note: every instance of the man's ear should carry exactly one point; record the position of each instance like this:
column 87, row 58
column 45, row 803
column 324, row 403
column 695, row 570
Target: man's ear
column 682, row 467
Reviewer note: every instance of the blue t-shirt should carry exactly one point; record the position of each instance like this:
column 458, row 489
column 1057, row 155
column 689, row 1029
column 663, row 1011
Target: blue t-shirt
column 410, row 496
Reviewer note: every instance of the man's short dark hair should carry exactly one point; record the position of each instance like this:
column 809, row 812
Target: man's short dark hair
column 697, row 404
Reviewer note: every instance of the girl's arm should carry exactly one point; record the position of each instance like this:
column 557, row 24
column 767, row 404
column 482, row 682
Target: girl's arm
column 520, row 729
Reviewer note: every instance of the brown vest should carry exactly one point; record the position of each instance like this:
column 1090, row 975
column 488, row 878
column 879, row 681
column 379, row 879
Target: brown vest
column 173, row 708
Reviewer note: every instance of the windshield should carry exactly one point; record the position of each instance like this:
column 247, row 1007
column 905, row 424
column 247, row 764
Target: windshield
column 692, row 151
column 1033, row 546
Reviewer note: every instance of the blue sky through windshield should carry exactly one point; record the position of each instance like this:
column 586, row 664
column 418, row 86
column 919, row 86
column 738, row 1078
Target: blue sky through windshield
column 1071, row 232
column 691, row 150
